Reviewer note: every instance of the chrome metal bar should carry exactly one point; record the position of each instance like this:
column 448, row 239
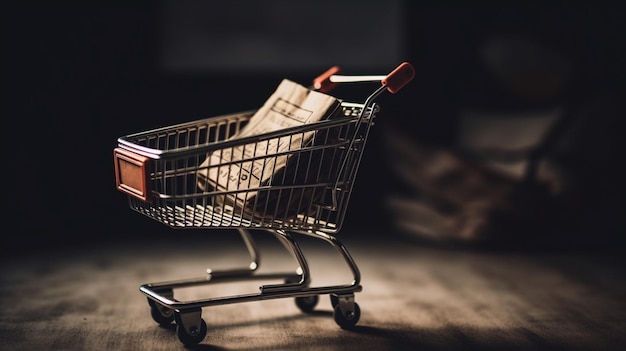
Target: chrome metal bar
column 254, row 257
column 369, row 103
column 147, row 290
column 303, row 270
column 348, row 79
column 343, row 251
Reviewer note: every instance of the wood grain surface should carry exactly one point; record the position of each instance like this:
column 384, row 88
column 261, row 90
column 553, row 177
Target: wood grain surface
column 414, row 298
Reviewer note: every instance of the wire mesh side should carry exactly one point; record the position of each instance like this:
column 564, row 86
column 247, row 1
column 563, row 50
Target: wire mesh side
column 299, row 196
column 191, row 135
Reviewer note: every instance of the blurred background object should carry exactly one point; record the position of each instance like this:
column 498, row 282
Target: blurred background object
column 528, row 153
column 507, row 136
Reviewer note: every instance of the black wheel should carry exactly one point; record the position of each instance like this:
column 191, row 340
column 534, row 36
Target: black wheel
column 162, row 315
column 306, row 304
column 334, row 300
column 191, row 339
column 347, row 322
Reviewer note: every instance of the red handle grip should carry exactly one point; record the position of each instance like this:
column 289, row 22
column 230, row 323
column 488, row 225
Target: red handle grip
column 399, row 77
column 322, row 82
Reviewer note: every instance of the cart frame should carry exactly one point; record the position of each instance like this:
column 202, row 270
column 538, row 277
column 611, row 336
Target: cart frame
column 152, row 168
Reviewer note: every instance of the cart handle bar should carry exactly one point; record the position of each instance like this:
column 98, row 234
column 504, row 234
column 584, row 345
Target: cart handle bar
column 394, row 81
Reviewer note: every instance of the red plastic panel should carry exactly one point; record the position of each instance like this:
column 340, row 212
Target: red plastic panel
column 132, row 174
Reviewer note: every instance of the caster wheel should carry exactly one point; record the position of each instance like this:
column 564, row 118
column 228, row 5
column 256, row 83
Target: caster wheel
column 162, row 315
column 191, row 339
column 306, row 304
column 347, row 322
column 334, row 300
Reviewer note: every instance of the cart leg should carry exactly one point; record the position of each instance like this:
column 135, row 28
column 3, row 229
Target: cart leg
column 255, row 259
column 302, row 271
column 334, row 242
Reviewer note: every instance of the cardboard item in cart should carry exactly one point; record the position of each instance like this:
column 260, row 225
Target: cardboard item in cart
column 243, row 168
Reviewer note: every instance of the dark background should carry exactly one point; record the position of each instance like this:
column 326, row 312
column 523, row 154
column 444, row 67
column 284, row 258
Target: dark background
column 81, row 76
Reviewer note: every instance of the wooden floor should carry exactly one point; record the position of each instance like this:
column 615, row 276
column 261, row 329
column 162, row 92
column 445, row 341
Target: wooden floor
column 414, row 298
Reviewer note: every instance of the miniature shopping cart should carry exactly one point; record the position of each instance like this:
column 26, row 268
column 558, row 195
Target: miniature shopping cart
column 158, row 170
